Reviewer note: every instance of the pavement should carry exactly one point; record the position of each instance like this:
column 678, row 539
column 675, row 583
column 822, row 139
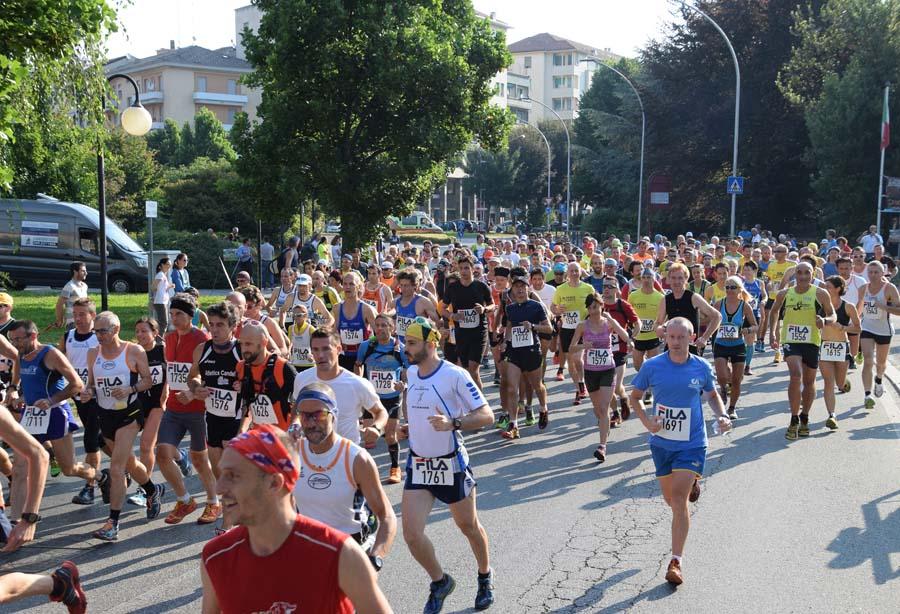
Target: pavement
column 811, row 525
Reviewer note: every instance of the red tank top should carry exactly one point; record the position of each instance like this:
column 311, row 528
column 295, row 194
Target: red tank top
column 179, row 358
column 301, row 576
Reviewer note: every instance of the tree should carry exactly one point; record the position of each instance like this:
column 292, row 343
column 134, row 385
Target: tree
column 186, row 147
column 210, row 138
column 364, row 103
column 166, row 143
column 492, row 177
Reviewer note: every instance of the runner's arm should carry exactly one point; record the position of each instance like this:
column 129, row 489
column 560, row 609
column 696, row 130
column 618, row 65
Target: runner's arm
column 204, row 319
column 774, row 332
column 145, row 380
column 788, row 276
column 320, row 308
column 210, row 603
column 855, row 325
column 713, row 317
column 824, row 300
column 38, row 461
column 576, row 345
column 619, row 330
column 365, row 474
column 357, row 580
column 636, row 401
column 194, row 382
column 58, row 362
column 749, row 317
column 715, row 403
column 892, row 300
column 429, row 309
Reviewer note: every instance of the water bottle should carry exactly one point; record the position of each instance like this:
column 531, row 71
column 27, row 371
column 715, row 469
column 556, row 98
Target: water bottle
column 717, row 430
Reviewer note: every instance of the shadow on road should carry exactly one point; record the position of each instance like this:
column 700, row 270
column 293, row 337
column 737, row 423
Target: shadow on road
column 878, row 540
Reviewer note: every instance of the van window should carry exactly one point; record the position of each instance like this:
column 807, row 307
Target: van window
column 87, row 241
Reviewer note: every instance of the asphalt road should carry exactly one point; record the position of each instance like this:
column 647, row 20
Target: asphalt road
column 806, row 526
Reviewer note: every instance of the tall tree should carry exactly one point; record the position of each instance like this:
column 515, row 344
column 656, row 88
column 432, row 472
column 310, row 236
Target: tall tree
column 166, row 143
column 493, row 178
column 364, row 103
column 210, row 138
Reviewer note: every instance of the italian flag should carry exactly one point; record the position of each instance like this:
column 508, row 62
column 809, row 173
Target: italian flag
column 885, row 125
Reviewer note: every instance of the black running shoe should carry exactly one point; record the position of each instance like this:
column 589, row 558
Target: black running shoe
column 154, row 501
column 103, row 483
column 484, row 598
column 439, row 591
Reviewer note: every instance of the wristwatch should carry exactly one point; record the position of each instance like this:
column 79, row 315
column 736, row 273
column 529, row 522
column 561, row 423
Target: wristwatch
column 377, row 562
column 378, row 429
column 30, row 518
column 457, row 424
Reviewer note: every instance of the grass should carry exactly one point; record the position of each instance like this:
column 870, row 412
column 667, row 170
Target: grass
column 41, row 307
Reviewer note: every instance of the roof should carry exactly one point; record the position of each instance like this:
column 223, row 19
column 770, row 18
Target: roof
column 550, row 42
column 194, row 55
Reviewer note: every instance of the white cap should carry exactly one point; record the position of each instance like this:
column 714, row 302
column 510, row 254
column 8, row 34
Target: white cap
column 303, row 280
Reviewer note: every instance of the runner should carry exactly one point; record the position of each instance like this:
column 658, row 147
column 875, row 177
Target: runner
column 800, row 330
column 117, row 371
column 146, row 331
column 545, row 292
column 441, row 400
column 277, row 559
column 384, row 364
column 879, row 301
column 376, row 294
column 354, row 319
column 852, row 285
column 595, row 337
column 324, row 293
column 47, row 380
column 299, row 334
column 8, row 356
column 685, row 303
column 253, row 311
column 833, row 360
column 646, row 303
column 276, row 305
column 470, row 302
column 623, row 313
column 774, row 274
column 521, row 350
column 568, row 304
column 265, row 388
column 729, row 349
column 679, row 380
column 355, row 396
column 339, row 484
column 318, row 313
column 409, row 304
column 184, row 415
column 756, row 288
column 76, row 343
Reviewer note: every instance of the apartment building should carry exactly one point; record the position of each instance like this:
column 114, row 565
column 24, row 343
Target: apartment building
column 176, row 82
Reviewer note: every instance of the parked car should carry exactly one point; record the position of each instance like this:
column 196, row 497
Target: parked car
column 40, row 238
column 332, row 227
column 416, row 219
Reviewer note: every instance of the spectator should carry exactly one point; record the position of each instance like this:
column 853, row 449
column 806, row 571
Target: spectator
column 244, row 255
column 869, row 240
column 161, row 287
column 322, row 249
column 180, row 277
column 74, row 289
column 266, row 256
column 234, row 235
column 336, row 249
column 242, row 279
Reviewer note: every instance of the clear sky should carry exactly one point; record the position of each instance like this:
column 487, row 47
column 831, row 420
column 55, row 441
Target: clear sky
column 621, row 25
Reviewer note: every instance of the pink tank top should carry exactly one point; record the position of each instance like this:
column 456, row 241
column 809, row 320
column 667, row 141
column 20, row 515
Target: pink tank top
column 598, row 357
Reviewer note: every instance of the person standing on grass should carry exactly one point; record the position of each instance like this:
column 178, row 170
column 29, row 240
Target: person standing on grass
column 161, row 287
column 75, row 289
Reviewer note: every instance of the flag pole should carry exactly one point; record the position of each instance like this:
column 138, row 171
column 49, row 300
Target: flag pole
column 885, row 140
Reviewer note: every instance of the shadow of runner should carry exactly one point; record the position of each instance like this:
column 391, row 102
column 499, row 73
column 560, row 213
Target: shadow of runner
column 171, row 604
column 878, row 540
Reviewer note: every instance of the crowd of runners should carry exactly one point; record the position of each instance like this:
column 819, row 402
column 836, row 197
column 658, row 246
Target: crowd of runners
column 274, row 401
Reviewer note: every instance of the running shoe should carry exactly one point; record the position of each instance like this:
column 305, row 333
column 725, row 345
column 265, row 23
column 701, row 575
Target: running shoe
column 695, row 491
column 559, row 376
column 85, row 497
column 870, row 403
column 831, row 423
column 804, row 429
column 184, row 463
column 154, row 501
column 851, row 363
column 138, row 498
column 859, row 358
column 180, row 511
column 72, row 595
column 577, row 400
column 673, row 573
column 210, row 514
column 625, row 409
column 511, row 433
column 103, row 483
column 543, row 420
column 502, row 422
column 600, row 453
column 792, row 432
column 109, row 532
column 54, row 468
column 529, row 418
column 615, row 420
column 759, row 347
column 747, row 370
column 394, row 476
column 878, row 389
column 484, row 598
column 846, row 387
column 777, row 357
column 438, row 592
column 732, row 413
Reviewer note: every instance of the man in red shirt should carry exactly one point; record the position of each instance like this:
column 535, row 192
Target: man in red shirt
column 277, row 560
column 184, row 414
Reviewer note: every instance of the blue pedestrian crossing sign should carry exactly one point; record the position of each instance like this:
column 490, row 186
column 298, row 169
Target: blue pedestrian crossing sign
column 735, row 185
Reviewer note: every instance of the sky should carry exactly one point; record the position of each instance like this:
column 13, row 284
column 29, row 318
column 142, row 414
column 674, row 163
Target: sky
column 622, row 25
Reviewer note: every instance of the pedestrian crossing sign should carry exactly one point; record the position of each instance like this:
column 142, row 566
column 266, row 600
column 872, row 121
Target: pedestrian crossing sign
column 735, row 185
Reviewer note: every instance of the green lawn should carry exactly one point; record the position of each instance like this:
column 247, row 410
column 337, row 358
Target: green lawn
column 41, row 307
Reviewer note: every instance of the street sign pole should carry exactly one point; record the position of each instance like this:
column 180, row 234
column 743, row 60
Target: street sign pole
column 151, row 214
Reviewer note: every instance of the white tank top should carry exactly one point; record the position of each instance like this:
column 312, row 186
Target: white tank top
column 110, row 373
column 77, row 352
column 874, row 319
column 326, row 490
column 301, row 356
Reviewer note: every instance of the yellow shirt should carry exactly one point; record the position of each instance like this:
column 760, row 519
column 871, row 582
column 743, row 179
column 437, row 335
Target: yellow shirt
column 776, row 271
column 646, row 305
column 572, row 299
column 799, row 325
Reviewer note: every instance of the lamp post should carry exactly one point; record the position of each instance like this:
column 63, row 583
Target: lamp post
column 643, row 133
column 568, row 159
column 737, row 98
column 136, row 121
column 549, row 158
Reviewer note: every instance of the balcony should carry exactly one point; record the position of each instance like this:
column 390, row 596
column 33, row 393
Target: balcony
column 237, row 100
column 151, row 97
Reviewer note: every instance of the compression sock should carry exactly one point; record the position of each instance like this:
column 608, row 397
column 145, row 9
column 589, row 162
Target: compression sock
column 749, row 357
column 394, row 451
column 795, row 419
column 114, row 516
column 149, row 488
column 877, row 380
column 804, row 418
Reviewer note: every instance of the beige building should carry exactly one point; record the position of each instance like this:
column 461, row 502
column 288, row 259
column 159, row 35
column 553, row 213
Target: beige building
column 176, row 83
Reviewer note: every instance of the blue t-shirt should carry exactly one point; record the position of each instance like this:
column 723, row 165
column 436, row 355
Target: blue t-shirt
column 382, row 367
column 529, row 311
column 677, row 398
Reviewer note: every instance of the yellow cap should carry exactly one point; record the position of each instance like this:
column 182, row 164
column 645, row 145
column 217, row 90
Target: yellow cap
column 6, row 299
column 422, row 330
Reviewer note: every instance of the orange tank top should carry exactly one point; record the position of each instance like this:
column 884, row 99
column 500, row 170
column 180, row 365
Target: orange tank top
column 374, row 297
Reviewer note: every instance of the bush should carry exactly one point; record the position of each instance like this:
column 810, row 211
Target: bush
column 203, row 253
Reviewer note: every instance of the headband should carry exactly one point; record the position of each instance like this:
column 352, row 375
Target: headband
column 422, row 330
column 182, row 305
column 309, row 394
column 262, row 446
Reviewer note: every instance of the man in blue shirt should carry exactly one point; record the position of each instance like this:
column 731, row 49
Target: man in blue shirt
column 678, row 433
column 244, row 256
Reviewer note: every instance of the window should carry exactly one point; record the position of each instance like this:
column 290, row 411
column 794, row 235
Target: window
column 159, row 81
column 521, row 115
column 231, row 114
column 562, row 104
column 499, row 90
column 232, row 86
column 527, row 61
column 148, row 85
column 201, row 84
column 560, row 82
column 87, row 240
column 562, row 59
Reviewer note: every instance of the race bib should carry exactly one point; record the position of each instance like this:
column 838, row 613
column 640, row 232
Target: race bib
column 370, row 303
column 36, row 421
column 105, row 398
column 570, row 319
column 403, row 323
column 452, row 339
column 351, row 336
column 598, row 357
column 177, row 373
column 833, row 351
column 470, row 318
column 82, row 373
column 222, row 402
column 288, row 318
column 262, row 410
column 522, row 337
column 797, row 333
column 729, row 332
column 613, row 339
column 156, row 374
column 872, row 312
column 648, row 325
column 301, row 356
column 432, row 471
column 383, row 381
column 676, row 422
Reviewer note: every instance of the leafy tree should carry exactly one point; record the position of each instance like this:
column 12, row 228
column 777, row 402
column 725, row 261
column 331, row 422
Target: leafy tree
column 365, row 103
column 210, row 138
column 166, row 143
column 186, row 147
column 131, row 177
column 493, row 177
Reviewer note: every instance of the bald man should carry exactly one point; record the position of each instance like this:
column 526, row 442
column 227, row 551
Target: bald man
column 240, row 304
column 265, row 380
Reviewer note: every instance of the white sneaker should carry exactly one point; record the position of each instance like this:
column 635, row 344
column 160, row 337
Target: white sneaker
column 878, row 390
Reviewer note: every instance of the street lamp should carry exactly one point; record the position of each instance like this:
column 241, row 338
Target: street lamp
column 136, row 121
column 549, row 157
column 568, row 159
column 643, row 132
column 737, row 98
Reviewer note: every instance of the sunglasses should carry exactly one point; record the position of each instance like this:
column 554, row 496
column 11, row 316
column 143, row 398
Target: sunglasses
column 731, row 287
column 104, row 331
column 610, row 286
column 313, row 416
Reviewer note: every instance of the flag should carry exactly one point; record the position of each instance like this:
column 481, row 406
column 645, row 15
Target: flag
column 885, row 124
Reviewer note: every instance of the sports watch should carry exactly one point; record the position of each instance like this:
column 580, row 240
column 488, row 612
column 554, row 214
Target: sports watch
column 457, row 424
column 30, row 518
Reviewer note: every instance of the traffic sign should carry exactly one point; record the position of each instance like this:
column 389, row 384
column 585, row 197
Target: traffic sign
column 151, row 208
column 735, row 185
column 548, row 210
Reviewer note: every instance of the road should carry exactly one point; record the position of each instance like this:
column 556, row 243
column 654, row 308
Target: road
column 811, row 525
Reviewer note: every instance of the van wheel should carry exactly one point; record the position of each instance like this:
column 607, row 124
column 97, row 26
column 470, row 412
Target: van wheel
column 120, row 285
